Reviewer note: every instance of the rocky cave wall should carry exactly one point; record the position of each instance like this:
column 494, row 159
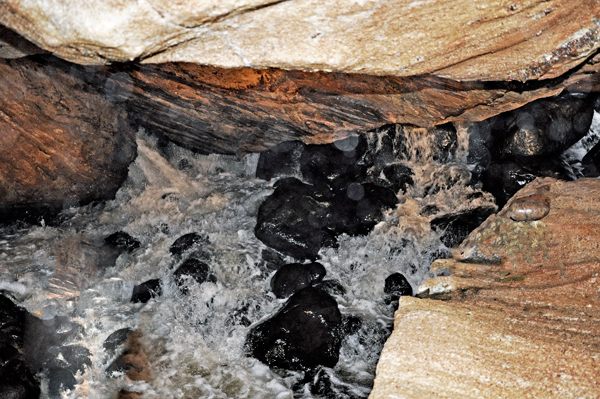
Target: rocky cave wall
column 245, row 76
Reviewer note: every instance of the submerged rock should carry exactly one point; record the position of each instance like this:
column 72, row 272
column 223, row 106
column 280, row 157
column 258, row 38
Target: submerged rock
column 295, row 276
column 195, row 269
column 122, row 241
column 356, row 210
column 48, row 349
column 142, row 293
column 302, row 335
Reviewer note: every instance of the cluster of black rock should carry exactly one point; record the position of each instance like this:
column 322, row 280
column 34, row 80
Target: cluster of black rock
column 513, row 148
column 345, row 187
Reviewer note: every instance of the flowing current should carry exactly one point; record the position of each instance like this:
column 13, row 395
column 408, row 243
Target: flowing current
column 195, row 342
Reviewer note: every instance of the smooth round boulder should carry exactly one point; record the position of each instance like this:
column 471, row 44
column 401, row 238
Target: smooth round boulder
column 304, row 334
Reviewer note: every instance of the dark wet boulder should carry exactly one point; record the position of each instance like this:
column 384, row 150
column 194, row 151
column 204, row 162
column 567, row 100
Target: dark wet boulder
column 548, row 126
column 399, row 175
column 294, row 219
column 122, row 241
column 186, row 242
column 332, row 287
column 591, row 162
column 386, row 145
column 16, row 378
column 60, row 379
column 321, row 164
column 195, row 269
column 503, row 180
column 293, row 277
column 395, row 286
column 147, row 290
column 455, row 227
column 115, row 342
column 445, row 143
column 358, row 208
column 304, row 334
column 324, row 383
column 281, row 160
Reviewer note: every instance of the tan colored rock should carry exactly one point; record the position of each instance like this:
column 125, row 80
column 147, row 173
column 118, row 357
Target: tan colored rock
column 524, row 324
column 455, row 350
column 474, row 40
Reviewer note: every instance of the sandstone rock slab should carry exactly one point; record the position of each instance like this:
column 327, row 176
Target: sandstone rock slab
column 455, row 350
column 520, row 315
column 477, row 40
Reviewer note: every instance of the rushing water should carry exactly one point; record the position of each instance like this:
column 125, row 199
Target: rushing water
column 195, row 342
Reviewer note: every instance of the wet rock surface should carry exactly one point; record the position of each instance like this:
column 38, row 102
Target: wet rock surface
column 187, row 242
column 512, row 149
column 147, row 290
column 122, row 241
column 194, row 269
column 294, row 219
column 51, row 347
column 520, row 310
column 16, row 378
column 396, row 285
column 293, row 277
column 302, row 335
column 344, row 194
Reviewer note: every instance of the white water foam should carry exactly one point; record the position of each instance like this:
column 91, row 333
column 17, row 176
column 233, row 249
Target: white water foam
column 193, row 342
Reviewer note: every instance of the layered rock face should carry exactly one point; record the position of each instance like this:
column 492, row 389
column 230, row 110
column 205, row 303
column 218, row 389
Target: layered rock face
column 520, row 316
column 478, row 40
column 62, row 143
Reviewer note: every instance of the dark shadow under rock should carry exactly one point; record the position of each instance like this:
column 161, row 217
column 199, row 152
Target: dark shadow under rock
column 16, row 378
column 456, row 227
column 302, row 335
